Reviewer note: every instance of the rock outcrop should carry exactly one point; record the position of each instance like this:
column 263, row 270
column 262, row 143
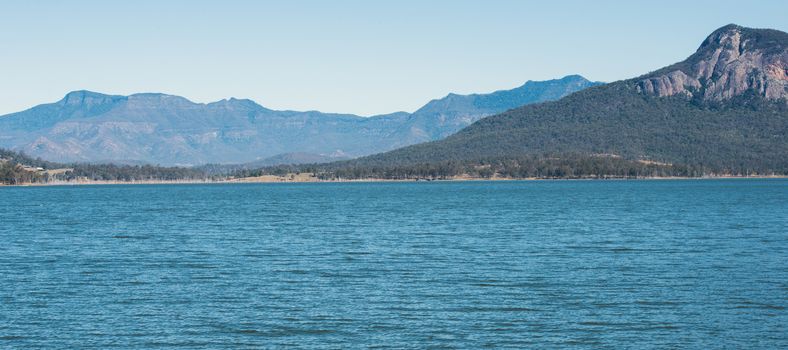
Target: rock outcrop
column 673, row 83
column 732, row 61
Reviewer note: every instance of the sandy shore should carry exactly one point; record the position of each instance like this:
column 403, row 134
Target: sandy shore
column 310, row 178
column 88, row 183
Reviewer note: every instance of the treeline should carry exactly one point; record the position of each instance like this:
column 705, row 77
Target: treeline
column 18, row 168
column 545, row 166
column 13, row 168
column 128, row 173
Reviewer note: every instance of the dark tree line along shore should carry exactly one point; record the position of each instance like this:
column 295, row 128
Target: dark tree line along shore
column 562, row 166
column 17, row 168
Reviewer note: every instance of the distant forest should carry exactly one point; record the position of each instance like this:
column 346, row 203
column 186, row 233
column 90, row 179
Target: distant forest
column 18, row 168
column 556, row 166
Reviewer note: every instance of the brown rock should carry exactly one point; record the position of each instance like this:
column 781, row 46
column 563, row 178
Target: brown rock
column 730, row 62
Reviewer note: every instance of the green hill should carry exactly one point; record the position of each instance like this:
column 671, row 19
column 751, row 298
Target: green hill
column 722, row 111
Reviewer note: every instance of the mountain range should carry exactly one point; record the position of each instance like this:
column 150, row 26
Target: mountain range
column 723, row 110
column 164, row 129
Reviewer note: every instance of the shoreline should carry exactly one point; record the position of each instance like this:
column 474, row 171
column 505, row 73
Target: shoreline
column 271, row 179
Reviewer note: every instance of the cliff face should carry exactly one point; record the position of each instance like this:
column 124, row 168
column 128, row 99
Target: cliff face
column 731, row 61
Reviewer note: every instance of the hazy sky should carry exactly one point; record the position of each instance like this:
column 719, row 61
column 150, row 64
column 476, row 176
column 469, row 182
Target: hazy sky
column 363, row 57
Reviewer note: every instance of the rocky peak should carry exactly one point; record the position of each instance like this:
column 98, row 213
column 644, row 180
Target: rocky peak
column 237, row 104
column 159, row 99
column 730, row 62
column 88, row 98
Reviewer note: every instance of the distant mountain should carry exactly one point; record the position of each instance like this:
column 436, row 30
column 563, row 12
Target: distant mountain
column 723, row 110
column 162, row 129
column 443, row 117
column 279, row 159
column 294, row 158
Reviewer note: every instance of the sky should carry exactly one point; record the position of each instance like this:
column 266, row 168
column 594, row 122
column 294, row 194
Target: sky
column 362, row 57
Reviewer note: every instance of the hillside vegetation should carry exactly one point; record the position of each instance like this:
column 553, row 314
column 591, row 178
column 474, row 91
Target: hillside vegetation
column 723, row 111
column 17, row 168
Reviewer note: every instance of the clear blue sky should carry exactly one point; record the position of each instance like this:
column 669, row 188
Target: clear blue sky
column 363, row 57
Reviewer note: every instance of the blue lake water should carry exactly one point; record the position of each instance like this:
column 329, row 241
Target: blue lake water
column 585, row 264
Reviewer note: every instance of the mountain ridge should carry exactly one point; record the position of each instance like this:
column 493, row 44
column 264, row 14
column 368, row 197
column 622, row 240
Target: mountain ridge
column 158, row 128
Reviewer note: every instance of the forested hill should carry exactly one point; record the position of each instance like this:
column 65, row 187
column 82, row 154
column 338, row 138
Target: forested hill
column 722, row 111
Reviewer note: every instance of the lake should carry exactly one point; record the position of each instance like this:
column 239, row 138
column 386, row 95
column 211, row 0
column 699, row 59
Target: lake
column 520, row 264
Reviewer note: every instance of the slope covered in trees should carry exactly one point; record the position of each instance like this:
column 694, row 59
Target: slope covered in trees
column 721, row 112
